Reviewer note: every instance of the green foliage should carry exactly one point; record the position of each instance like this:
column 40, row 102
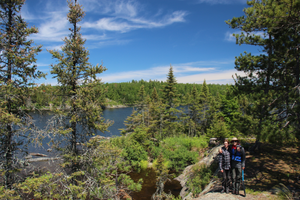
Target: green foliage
column 18, row 71
column 218, row 129
column 81, row 92
column 103, row 176
column 8, row 194
column 134, row 146
column 201, row 176
column 272, row 78
column 135, row 151
column 144, row 164
column 180, row 151
column 121, row 93
column 40, row 186
column 156, row 165
column 162, row 176
column 127, row 92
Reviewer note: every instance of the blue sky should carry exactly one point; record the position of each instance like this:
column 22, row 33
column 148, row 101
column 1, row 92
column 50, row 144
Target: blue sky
column 139, row 39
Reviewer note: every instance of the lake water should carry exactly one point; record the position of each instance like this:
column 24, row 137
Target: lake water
column 118, row 115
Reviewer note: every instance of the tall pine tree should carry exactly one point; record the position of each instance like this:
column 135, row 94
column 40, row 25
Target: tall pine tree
column 80, row 86
column 17, row 60
column 171, row 102
column 273, row 77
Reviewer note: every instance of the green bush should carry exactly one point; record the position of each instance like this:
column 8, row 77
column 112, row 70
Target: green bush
column 134, row 146
column 200, row 178
column 218, row 129
column 180, row 151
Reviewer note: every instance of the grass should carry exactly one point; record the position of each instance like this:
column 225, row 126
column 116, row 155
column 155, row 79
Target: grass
column 251, row 191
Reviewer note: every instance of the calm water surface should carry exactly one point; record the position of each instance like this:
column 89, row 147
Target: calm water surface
column 118, row 115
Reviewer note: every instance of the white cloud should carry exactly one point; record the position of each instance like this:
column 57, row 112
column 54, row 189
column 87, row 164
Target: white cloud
column 54, row 47
column 129, row 8
column 193, row 72
column 95, row 37
column 219, row 77
column 54, row 29
column 117, row 16
column 229, row 36
column 125, row 24
column 112, row 7
column 48, row 81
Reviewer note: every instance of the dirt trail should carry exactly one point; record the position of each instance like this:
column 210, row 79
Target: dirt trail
column 217, row 195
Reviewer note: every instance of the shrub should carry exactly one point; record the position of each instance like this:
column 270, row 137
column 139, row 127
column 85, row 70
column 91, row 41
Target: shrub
column 144, row 164
column 133, row 150
column 180, row 150
column 200, row 178
column 218, row 129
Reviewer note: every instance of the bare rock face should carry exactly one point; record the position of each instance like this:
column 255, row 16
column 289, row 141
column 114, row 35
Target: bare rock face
column 187, row 172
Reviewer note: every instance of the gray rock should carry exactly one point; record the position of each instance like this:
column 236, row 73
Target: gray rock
column 187, row 172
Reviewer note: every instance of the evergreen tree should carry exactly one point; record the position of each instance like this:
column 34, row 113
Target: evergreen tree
column 169, row 90
column 218, row 128
column 142, row 102
column 171, row 102
column 80, row 87
column 138, row 115
column 156, row 120
column 162, row 177
column 271, row 77
column 17, row 71
column 154, row 95
column 193, row 112
column 204, row 104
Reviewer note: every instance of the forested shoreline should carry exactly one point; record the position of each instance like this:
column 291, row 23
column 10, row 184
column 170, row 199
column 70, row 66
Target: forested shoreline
column 125, row 93
column 171, row 123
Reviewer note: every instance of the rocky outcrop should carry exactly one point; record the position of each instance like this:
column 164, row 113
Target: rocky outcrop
column 187, row 173
column 116, row 106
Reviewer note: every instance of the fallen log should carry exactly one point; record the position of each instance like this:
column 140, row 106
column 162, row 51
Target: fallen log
column 30, row 160
column 38, row 154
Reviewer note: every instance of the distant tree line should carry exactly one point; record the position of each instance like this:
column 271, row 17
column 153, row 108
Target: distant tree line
column 127, row 92
column 123, row 93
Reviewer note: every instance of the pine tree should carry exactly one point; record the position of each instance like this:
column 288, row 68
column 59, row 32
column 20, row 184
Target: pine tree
column 154, row 95
column 171, row 102
column 162, row 177
column 204, row 104
column 195, row 112
column 169, row 91
column 80, row 86
column 17, row 71
column 271, row 77
column 156, row 120
column 138, row 115
column 142, row 102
